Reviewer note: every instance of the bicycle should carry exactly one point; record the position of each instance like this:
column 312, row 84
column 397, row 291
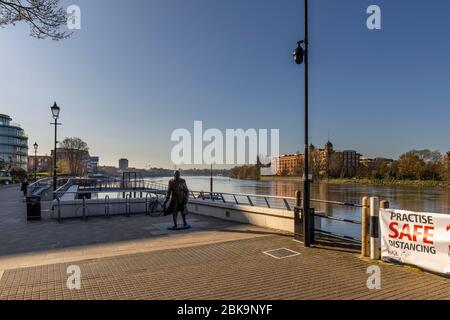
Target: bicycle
column 155, row 208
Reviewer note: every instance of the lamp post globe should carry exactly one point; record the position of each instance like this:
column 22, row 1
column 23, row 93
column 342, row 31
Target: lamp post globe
column 299, row 53
column 55, row 111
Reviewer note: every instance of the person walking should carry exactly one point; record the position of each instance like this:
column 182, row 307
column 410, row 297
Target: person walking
column 24, row 187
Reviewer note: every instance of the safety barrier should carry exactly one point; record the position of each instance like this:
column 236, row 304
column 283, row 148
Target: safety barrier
column 37, row 188
column 305, row 229
column 81, row 205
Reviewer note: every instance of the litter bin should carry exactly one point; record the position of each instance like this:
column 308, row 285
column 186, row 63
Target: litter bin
column 33, row 208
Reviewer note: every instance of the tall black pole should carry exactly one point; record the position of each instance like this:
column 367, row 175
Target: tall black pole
column 211, row 181
column 35, row 164
column 306, row 192
column 54, row 158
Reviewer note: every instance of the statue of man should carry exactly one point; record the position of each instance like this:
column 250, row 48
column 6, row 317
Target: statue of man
column 178, row 194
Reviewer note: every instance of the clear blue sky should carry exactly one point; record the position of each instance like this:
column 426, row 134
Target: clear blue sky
column 137, row 70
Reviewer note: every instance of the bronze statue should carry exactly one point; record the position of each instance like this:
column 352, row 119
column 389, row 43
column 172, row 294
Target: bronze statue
column 178, row 195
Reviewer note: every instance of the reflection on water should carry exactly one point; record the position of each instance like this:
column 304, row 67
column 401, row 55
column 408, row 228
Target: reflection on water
column 400, row 197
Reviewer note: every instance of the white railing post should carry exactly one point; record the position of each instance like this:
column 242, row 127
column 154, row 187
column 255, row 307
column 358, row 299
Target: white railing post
column 374, row 227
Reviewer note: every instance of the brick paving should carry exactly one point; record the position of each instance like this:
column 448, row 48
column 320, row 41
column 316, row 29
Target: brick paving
column 229, row 270
column 220, row 267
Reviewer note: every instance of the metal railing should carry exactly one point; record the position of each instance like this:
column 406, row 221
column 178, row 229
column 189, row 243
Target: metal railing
column 116, row 183
column 269, row 201
column 286, row 203
column 254, row 200
column 152, row 203
column 36, row 188
column 314, row 214
column 63, row 189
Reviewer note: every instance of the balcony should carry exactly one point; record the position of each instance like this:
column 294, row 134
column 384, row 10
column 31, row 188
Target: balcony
column 14, row 124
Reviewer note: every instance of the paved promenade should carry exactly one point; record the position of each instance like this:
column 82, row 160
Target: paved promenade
column 137, row 258
column 27, row 243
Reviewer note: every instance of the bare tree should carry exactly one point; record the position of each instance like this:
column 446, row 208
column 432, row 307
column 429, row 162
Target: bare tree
column 75, row 152
column 45, row 17
column 315, row 161
column 299, row 168
column 336, row 165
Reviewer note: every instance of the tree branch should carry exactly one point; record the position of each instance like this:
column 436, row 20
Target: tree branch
column 45, row 17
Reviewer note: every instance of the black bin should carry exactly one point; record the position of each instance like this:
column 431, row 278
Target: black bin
column 33, row 208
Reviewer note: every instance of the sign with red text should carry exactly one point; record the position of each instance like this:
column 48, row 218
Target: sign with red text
column 416, row 238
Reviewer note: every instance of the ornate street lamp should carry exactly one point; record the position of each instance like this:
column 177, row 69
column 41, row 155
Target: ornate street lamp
column 301, row 57
column 55, row 113
column 35, row 160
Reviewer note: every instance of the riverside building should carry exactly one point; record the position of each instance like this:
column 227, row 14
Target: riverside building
column 13, row 144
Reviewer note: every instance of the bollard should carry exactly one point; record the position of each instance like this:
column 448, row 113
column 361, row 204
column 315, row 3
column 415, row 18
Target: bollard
column 312, row 227
column 59, row 209
column 365, row 230
column 298, row 225
column 374, row 225
column 107, row 206
column 127, row 204
column 84, row 207
column 298, row 198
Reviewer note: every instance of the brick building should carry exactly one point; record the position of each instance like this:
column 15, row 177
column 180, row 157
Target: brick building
column 325, row 162
column 40, row 163
column 350, row 162
column 289, row 164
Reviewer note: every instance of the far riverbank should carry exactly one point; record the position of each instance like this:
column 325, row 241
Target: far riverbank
column 406, row 197
column 412, row 183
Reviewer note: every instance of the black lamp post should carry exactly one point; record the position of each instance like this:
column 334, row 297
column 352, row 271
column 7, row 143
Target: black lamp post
column 211, row 180
column 55, row 113
column 301, row 57
column 35, row 160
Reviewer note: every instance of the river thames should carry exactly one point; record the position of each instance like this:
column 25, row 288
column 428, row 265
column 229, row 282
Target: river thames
column 400, row 197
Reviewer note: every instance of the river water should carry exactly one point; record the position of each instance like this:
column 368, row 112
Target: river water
column 400, row 197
